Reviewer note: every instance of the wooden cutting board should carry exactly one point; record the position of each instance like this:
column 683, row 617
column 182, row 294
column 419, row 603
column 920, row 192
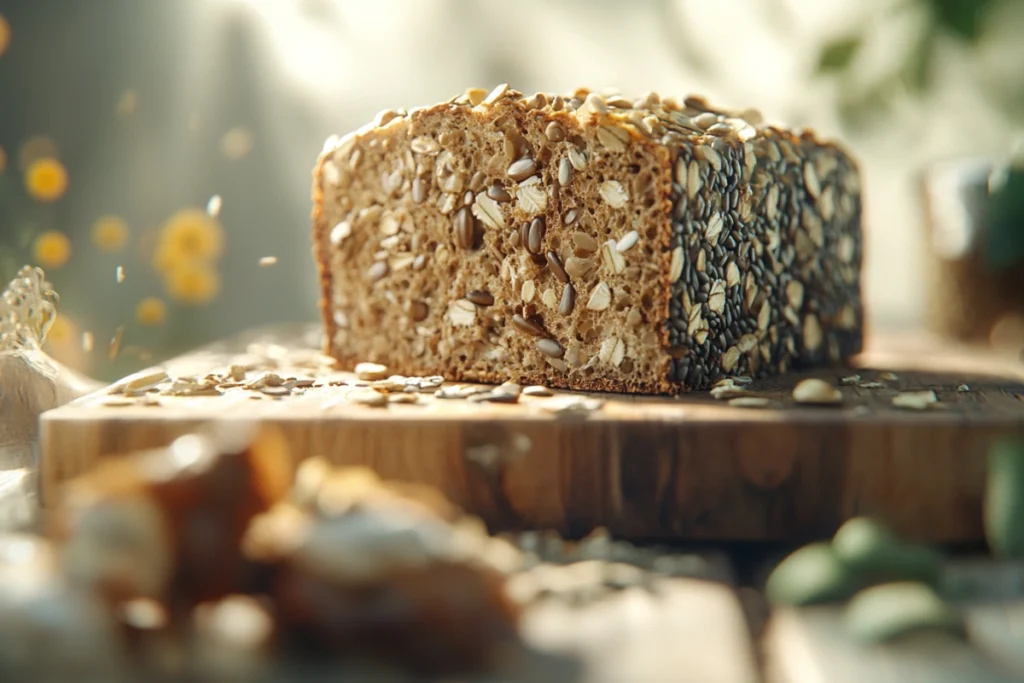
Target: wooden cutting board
column 645, row 467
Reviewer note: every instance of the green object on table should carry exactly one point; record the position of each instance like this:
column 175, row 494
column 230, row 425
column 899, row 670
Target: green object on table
column 889, row 611
column 811, row 575
column 1004, row 499
column 871, row 551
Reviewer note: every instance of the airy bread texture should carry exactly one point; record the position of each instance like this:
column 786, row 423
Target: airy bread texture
column 586, row 242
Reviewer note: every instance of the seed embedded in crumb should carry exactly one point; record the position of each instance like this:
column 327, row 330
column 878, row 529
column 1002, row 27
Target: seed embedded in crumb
column 577, row 158
column 815, row 391
column 486, row 209
column 568, row 302
column 465, row 228
column 480, row 297
column 613, row 193
column 535, row 235
column 371, row 372
column 569, row 217
column 555, row 265
column 549, row 298
column 585, row 242
column 528, row 291
column 554, row 132
column 522, row 169
column 377, row 271
column 600, row 298
column 550, row 348
column 564, row 171
column 627, row 241
column 498, row 193
column 527, row 326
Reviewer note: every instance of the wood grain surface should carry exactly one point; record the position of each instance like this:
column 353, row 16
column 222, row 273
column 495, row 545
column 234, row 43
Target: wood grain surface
column 645, row 467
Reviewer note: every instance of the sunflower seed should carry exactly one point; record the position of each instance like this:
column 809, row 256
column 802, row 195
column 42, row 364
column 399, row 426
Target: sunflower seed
column 464, row 227
column 377, row 271
column 750, row 402
column 369, row 372
column 537, row 390
column 425, row 144
column 568, row 301
column 498, row 193
column 535, row 235
column 480, row 298
column 555, row 266
column 522, row 169
column 340, row 232
column 811, row 181
column 528, row 291
column 527, row 326
column 627, row 241
column 550, row 348
column 495, row 95
column 850, row 381
column 564, row 171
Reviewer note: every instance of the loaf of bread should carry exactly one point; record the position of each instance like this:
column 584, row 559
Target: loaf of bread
column 587, row 242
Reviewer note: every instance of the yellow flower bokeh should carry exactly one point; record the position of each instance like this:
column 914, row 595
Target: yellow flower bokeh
column 192, row 283
column 5, row 34
column 151, row 311
column 110, row 233
column 46, row 179
column 52, row 249
column 188, row 237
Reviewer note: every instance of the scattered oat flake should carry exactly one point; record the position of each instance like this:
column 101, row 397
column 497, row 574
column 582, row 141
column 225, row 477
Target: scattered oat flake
column 852, row 379
column 915, row 400
column 119, row 274
column 268, row 261
column 87, row 342
column 871, row 385
column 114, row 349
column 963, row 388
column 213, row 206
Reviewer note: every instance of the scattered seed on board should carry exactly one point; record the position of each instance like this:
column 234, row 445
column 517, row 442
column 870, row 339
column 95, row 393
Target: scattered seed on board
column 849, row 381
column 815, row 391
column 367, row 397
column 404, row 397
column 537, row 390
column 871, row 385
column 369, row 372
column 729, row 391
column 750, row 402
column 915, row 400
column 963, row 388
column 888, row 376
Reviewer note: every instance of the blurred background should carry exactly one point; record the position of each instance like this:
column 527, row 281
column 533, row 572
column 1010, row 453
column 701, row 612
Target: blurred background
column 156, row 155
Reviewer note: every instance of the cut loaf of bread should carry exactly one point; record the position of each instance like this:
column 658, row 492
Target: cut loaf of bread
column 587, row 242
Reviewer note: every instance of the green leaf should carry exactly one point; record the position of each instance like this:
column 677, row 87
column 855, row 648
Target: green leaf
column 1005, row 243
column 962, row 18
column 919, row 67
column 837, row 54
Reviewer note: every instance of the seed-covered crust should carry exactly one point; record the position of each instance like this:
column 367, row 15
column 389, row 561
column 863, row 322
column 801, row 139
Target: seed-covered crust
column 586, row 242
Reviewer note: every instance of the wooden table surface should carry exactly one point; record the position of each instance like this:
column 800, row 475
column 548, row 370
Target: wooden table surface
column 688, row 467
